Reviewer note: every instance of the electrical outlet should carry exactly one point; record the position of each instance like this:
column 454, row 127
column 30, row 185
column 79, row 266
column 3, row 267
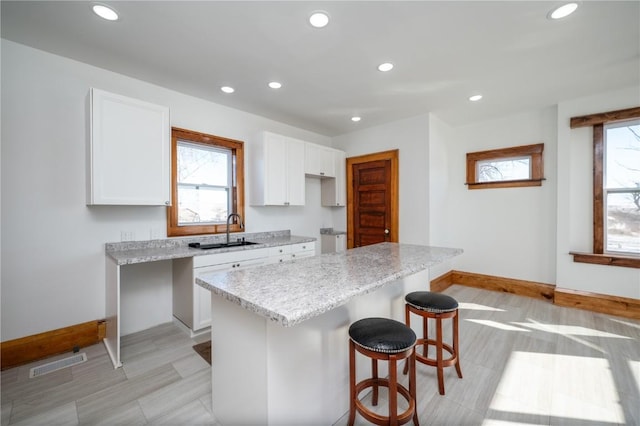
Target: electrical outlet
column 156, row 233
column 127, row 236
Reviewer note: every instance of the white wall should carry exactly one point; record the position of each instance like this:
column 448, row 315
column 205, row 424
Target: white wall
column 52, row 243
column 575, row 194
column 411, row 138
column 508, row 232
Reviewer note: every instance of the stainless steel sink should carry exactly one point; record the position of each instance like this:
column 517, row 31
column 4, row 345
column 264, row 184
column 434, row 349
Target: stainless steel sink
column 221, row 245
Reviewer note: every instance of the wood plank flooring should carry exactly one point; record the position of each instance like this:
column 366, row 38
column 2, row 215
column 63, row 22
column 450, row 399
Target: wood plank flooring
column 524, row 361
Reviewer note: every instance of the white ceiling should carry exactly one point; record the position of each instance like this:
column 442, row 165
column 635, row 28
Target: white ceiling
column 443, row 52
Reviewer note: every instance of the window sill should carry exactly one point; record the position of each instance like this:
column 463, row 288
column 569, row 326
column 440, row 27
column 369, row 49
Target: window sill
column 607, row 259
column 505, row 184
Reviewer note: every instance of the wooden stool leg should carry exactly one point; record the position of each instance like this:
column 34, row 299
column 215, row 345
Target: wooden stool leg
column 352, row 383
column 425, row 334
column 374, row 374
column 455, row 345
column 393, row 391
column 412, row 385
column 407, row 321
column 439, row 350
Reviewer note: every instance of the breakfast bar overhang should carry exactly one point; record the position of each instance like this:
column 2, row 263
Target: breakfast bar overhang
column 280, row 332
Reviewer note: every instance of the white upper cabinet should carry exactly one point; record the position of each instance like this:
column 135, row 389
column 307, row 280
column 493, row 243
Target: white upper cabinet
column 278, row 172
column 129, row 155
column 334, row 190
column 319, row 160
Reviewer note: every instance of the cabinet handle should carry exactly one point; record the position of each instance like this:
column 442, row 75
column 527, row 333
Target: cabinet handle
column 321, row 173
column 280, row 250
column 293, row 255
column 166, row 203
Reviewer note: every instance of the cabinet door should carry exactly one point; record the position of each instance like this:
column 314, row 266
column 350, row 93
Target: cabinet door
column 295, row 172
column 334, row 191
column 202, row 296
column 129, row 151
column 275, row 172
column 318, row 160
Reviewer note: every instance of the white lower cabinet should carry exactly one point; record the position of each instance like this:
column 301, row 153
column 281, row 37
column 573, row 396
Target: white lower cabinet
column 192, row 303
column 294, row 251
column 333, row 243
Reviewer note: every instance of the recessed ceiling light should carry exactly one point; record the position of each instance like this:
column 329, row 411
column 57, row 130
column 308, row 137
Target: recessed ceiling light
column 355, row 119
column 319, row 19
column 105, row 12
column 387, row 66
column 563, row 11
column 275, row 85
column 475, row 98
column 227, row 89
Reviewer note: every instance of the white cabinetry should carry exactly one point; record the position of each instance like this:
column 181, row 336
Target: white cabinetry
column 333, row 243
column 334, row 190
column 294, row 251
column 319, row 160
column 278, row 172
column 192, row 303
column 129, row 151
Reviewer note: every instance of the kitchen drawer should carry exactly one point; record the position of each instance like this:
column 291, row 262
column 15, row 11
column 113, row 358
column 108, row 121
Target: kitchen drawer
column 228, row 257
column 300, row 247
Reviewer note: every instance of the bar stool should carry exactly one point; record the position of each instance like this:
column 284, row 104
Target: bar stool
column 387, row 340
column 435, row 306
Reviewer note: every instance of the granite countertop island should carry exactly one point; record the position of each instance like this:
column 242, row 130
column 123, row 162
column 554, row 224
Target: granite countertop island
column 293, row 292
column 279, row 332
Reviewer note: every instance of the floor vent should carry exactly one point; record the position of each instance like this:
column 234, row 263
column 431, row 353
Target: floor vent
column 57, row 365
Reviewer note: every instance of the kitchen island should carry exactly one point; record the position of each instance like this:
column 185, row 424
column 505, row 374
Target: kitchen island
column 280, row 332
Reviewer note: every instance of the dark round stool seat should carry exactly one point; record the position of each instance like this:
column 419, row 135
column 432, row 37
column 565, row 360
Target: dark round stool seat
column 431, row 302
column 382, row 339
column 435, row 306
column 382, row 335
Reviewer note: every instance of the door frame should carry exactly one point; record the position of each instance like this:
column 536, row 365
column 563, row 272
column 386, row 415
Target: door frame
column 385, row 155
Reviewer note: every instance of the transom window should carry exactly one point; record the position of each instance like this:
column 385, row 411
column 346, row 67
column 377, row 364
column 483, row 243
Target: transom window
column 505, row 167
column 207, row 183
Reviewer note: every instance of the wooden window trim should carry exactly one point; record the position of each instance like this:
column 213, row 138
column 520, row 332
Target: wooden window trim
column 597, row 121
column 537, row 166
column 175, row 230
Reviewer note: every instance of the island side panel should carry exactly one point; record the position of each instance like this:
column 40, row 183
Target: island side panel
column 301, row 371
column 238, row 364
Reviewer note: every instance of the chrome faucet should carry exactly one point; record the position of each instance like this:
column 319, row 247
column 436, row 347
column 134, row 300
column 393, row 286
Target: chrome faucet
column 228, row 218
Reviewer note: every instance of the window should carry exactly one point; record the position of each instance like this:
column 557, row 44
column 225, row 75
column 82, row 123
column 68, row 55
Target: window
column 207, row 183
column 621, row 189
column 505, row 168
column 616, row 187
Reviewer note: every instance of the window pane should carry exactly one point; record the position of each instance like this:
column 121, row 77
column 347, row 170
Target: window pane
column 203, row 205
column 201, row 164
column 622, row 156
column 623, row 222
column 505, row 169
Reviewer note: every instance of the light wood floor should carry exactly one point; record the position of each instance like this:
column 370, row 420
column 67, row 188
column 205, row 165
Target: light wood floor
column 524, row 361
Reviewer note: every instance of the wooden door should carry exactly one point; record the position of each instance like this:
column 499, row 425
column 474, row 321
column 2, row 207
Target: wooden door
column 372, row 199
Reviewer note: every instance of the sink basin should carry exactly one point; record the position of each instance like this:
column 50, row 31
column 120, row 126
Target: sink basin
column 221, row 245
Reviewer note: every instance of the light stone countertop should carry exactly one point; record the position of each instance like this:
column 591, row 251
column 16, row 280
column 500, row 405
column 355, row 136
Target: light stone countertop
column 128, row 253
column 291, row 292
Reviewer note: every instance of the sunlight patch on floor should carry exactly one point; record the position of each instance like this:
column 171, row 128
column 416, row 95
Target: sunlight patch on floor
column 572, row 330
column 499, row 325
column 583, row 389
column 634, row 366
column 627, row 323
column 477, row 307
